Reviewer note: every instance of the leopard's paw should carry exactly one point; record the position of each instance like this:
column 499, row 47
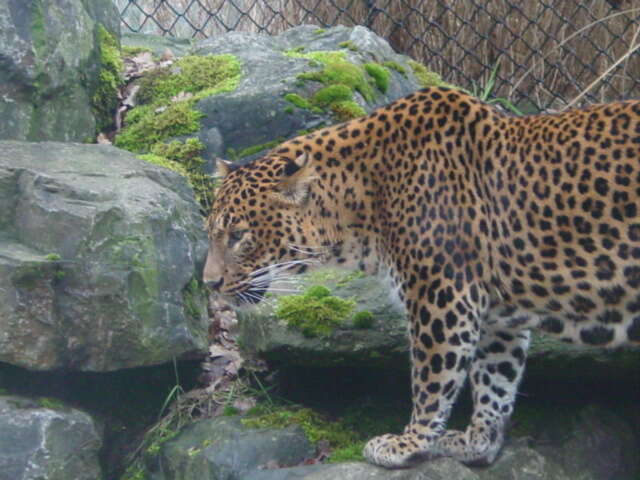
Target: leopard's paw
column 396, row 451
column 473, row 447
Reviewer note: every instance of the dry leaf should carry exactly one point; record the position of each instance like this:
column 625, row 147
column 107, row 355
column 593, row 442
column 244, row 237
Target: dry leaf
column 103, row 139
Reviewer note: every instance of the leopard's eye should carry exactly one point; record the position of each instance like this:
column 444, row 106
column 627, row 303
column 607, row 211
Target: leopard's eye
column 235, row 236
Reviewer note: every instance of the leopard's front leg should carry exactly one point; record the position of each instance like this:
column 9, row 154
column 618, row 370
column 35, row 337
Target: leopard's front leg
column 444, row 334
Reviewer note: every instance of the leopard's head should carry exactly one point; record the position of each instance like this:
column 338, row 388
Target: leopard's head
column 259, row 226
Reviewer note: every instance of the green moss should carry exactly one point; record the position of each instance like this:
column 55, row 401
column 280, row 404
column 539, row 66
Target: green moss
column 160, row 117
column 425, row 77
column 298, row 101
column 363, row 319
column 315, row 426
column 340, row 79
column 380, row 74
column 396, row 66
column 130, row 51
column 349, row 45
column 147, row 126
column 348, row 453
column 38, row 28
column 135, row 472
column 105, row 97
column 348, row 110
column 339, row 71
column 192, row 297
column 53, row 257
column 317, row 292
column 185, row 158
column 289, row 109
column 230, row 411
column 315, row 313
column 164, row 162
column 327, row 96
column 51, row 403
column 346, row 436
column 192, row 74
column 320, row 31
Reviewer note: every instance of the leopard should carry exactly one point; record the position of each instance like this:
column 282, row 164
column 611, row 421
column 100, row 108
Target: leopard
column 488, row 224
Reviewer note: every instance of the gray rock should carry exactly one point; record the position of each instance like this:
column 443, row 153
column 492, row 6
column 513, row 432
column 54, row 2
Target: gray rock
column 598, row 445
column 50, row 66
column 98, row 255
column 518, row 461
column 256, row 112
column 441, row 469
column 45, row 443
column 223, row 449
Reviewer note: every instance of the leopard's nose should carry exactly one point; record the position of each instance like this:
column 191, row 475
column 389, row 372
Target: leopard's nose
column 215, row 284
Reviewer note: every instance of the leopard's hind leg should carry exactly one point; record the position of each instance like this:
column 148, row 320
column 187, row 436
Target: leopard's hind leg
column 494, row 375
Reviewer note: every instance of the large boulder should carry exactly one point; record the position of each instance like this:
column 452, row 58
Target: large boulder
column 44, row 439
column 53, row 56
column 300, row 80
column 223, row 449
column 589, row 444
column 99, row 256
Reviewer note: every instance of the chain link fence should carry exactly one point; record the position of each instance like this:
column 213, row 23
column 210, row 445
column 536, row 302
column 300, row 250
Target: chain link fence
column 543, row 54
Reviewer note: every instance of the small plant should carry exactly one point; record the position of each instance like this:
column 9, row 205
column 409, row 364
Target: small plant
column 53, row 257
column 396, row 66
column 51, row 403
column 380, row 74
column 486, row 93
column 363, row 319
column 349, row 45
column 316, row 312
column 230, row 411
column 315, row 426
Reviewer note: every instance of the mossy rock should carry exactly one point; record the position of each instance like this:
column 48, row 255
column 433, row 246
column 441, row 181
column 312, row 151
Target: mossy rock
column 297, row 81
column 375, row 337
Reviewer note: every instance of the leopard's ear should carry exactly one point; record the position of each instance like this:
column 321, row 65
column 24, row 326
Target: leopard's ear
column 223, row 167
column 299, row 174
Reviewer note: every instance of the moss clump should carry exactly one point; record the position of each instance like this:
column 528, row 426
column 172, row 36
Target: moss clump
column 363, row 319
column 341, row 79
column 347, row 110
column 51, row 403
column 161, row 115
column 396, row 66
column 315, row 313
column 147, row 126
column 185, row 158
column 380, row 74
column 197, row 75
column 349, row 45
column 320, row 31
column 315, row 426
column 425, row 77
column 105, row 97
column 346, row 436
column 164, row 162
column 327, row 96
column 130, row 51
column 337, row 70
column 298, row 101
